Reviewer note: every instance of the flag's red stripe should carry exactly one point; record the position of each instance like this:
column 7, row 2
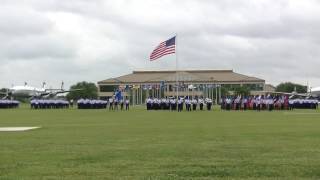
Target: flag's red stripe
column 161, row 50
column 167, row 50
column 162, row 54
column 154, row 55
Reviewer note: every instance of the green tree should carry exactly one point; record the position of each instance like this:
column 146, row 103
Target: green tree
column 83, row 90
column 3, row 92
column 242, row 90
column 290, row 87
column 224, row 91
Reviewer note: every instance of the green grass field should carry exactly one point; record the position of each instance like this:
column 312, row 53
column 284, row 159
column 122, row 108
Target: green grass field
column 98, row 144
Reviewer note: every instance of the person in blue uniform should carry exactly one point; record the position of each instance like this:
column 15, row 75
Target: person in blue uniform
column 121, row 104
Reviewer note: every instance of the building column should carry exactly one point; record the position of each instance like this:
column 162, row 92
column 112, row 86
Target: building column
column 216, row 94
column 98, row 91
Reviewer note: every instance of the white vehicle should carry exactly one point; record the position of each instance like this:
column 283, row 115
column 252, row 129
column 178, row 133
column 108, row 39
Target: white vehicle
column 313, row 93
column 27, row 91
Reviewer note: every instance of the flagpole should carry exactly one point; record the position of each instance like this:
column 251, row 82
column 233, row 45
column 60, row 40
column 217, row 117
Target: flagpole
column 177, row 81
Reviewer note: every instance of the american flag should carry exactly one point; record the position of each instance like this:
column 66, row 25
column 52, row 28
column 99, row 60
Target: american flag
column 164, row 48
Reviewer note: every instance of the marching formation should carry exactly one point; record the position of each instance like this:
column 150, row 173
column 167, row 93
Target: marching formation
column 266, row 103
column 112, row 103
column 178, row 105
column 303, row 104
column 8, row 104
column 91, row 104
column 49, row 104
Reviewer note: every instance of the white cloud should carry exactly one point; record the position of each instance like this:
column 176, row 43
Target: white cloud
column 45, row 40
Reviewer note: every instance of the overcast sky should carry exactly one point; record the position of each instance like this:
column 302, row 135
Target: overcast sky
column 92, row 40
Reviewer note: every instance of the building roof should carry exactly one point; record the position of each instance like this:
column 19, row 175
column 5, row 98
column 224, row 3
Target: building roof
column 194, row 76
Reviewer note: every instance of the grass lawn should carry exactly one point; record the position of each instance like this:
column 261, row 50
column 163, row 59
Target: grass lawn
column 98, row 144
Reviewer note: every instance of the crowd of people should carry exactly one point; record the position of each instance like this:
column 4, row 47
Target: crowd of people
column 9, row 104
column 258, row 103
column 266, row 103
column 178, row 104
column 111, row 103
column 49, row 104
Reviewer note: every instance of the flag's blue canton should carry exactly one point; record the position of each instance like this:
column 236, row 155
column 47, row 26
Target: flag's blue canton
column 171, row 42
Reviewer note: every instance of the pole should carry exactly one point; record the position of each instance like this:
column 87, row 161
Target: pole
column 140, row 95
column 177, row 79
column 211, row 90
column 216, row 93
column 188, row 91
column 133, row 97
column 152, row 92
column 219, row 92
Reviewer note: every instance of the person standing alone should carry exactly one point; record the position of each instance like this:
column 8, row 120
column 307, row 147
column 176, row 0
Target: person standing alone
column 127, row 104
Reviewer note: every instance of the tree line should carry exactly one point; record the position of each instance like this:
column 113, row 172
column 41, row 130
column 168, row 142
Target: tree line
column 89, row 90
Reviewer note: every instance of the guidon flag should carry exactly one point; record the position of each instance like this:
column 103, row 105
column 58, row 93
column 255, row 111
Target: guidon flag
column 164, row 48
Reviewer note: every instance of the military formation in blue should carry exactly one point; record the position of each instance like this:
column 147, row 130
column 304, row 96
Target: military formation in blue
column 91, row 104
column 111, row 103
column 49, row 104
column 178, row 105
column 227, row 103
column 9, row 104
column 303, row 104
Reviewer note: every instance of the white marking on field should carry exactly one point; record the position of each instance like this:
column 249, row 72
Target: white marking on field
column 302, row 113
column 15, row 129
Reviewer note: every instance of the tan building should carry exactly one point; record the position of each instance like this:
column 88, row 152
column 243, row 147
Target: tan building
column 207, row 83
column 269, row 88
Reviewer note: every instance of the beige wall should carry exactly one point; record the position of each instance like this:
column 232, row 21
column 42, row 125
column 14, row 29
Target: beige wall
column 184, row 93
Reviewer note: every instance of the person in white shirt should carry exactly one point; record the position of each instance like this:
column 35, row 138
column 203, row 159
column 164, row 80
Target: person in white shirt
column 244, row 103
column 188, row 104
column 180, row 105
column 258, row 102
column 110, row 103
column 228, row 102
column 194, row 104
column 127, row 104
column 209, row 104
column 116, row 101
column 200, row 101
column 291, row 102
column 148, row 103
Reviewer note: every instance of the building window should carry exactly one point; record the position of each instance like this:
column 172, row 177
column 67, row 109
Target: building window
column 230, row 87
column 108, row 88
column 170, row 87
column 254, row 87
